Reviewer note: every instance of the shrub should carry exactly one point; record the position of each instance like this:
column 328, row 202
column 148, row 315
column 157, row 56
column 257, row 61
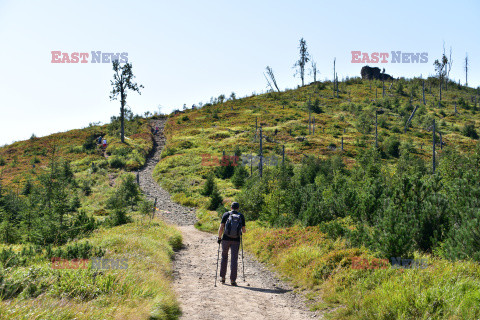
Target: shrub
column 469, row 131
column 226, row 168
column 2, row 161
column 146, row 207
column 392, row 146
column 116, row 161
column 90, row 142
column 168, row 151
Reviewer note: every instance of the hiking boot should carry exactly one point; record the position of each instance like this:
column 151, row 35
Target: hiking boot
column 234, row 283
column 223, row 280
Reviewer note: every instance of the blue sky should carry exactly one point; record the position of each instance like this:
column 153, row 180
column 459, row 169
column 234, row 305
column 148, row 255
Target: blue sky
column 189, row 51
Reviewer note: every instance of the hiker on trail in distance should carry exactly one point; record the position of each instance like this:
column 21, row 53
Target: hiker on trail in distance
column 229, row 235
column 104, row 144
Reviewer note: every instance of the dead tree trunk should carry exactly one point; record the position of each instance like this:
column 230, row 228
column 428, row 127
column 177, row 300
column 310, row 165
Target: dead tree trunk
column 410, row 118
column 423, row 91
column 334, row 77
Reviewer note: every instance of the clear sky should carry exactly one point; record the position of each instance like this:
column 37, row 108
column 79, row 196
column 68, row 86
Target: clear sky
column 189, row 51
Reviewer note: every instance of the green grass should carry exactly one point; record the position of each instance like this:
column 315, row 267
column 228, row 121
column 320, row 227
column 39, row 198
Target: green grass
column 322, row 268
column 181, row 170
column 141, row 291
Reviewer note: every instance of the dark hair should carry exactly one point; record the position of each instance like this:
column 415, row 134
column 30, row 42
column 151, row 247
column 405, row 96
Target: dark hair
column 235, row 205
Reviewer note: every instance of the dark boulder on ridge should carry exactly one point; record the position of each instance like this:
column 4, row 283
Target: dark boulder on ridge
column 370, row 73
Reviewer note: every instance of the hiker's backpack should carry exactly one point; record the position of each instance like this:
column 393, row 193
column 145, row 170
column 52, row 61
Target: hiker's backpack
column 233, row 226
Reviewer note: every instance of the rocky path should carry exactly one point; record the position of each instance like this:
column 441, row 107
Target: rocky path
column 261, row 296
column 169, row 210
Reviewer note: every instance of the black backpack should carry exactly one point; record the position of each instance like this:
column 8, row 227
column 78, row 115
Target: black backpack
column 233, row 226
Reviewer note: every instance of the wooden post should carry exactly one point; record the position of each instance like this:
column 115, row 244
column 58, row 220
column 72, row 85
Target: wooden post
column 283, row 154
column 342, row 143
column 337, row 85
column 440, row 91
column 423, row 91
column 309, row 118
column 260, row 164
column 251, row 170
column 376, row 94
column 138, row 178
column 433, row 140
column 376, row 131
column 154, row 208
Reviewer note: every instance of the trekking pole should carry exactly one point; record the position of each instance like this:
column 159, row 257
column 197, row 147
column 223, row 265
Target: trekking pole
column 243, row 264
column 216, row 270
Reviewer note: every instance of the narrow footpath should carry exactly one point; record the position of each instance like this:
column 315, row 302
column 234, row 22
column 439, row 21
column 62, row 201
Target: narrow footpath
column 261, row 296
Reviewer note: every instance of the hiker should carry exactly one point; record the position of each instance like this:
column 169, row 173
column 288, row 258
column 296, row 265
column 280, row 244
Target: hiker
column 229, row 235
column 99, row 140
column 156, row 130
column 104, row 143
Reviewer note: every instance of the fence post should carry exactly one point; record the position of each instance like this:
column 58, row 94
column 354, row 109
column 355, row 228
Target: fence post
column 138, row 178
column 342, row 143
column 260, row 164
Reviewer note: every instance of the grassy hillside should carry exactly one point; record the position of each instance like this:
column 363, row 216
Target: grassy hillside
column 62, row 196
column 314, row 218
column 230, row 127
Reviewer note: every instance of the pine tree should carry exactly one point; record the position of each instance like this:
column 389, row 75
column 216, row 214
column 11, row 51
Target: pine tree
column 239, row 176
column 215, row 199
column 209, row 185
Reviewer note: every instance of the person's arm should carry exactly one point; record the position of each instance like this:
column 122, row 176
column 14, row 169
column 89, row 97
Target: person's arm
column 244, row 224
column 220, row 230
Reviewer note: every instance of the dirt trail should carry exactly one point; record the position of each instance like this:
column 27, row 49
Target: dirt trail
column 262, row 296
